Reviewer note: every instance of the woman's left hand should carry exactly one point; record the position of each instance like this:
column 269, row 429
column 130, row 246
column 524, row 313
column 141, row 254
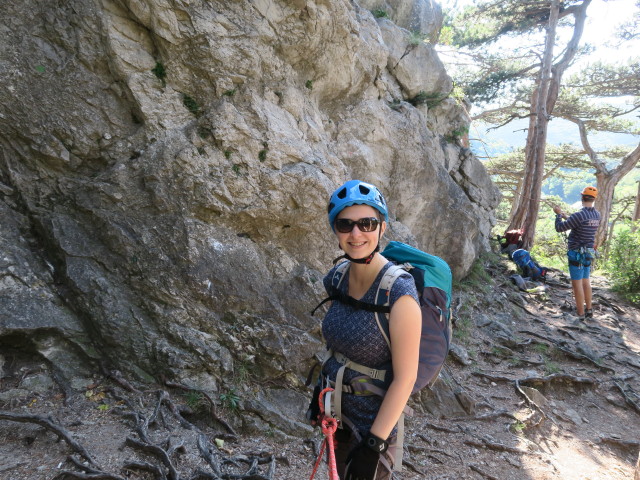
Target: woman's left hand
column 362, row 463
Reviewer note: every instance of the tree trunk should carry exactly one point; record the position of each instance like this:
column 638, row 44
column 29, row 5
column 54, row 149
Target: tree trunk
column 526, row 211
column 543, row 100
column 636, row 211
column 606, row 184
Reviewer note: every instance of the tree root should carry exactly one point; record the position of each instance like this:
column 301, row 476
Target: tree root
column 556, row 377
column 569, row 352
column 410, row 464
column 439, row 429
column 117, row 377
column 212, row 405
column 498, row 447
column 624, row 444
column 156, row 451
column 477, row 469
column 208, row 453
column 627, row 398
column 486, row 416
column 67, row 475
column 89, row 473
column 157, row 471
column 49, row 424
column 561, row 377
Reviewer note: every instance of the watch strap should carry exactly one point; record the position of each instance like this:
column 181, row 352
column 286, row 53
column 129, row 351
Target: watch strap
column 375, row 443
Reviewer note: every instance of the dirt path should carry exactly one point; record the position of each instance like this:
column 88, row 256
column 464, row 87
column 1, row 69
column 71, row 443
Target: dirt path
column 546, row 397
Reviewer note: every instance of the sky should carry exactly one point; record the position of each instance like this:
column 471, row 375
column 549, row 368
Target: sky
column 603, row 18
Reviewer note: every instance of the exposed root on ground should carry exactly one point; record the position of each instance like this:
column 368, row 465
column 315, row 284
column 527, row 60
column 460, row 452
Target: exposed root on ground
column 49, row 424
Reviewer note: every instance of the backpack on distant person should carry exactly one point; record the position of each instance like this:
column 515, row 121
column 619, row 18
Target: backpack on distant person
column 528, row 267
column 511, row 240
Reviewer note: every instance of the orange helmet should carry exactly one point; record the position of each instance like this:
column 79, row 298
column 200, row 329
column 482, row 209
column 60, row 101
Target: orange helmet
column 590, row 191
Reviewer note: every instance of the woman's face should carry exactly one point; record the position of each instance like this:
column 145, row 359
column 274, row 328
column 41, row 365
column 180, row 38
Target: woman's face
column 356, row 243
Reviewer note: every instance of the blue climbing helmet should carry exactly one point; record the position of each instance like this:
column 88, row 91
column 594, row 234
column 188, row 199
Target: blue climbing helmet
column 355, row 192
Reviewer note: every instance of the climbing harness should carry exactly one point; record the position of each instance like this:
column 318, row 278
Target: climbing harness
column 329, row 426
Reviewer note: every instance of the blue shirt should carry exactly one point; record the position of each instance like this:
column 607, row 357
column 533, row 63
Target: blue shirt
column 355, row 334
column 583, row 225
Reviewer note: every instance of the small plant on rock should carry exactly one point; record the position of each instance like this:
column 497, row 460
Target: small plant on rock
column 230, row 400
column 160, row 72
column 416, row 38
column 190, row 104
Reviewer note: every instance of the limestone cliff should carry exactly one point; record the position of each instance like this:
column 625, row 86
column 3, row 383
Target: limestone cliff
column 165, row 167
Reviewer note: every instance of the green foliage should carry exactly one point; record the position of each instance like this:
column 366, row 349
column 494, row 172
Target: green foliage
column 309, row 84
column 230, row 400
column 463, row 329
column 518, row 427
column 227, row 154
column 424, row 98
column 456, row 134
column 229, row 93
column 551, row 367
column 478, row 278
column 395, row 104
column 416, row 38
column 40, row 68
column 203, row 132
column 380, row 14
column 623, row 263
column 550, row 249
column 196, row 401
column 487, row 87
column 262, row 154
column 541, row 348
column 485, row 23
column 160, row 72
column 237, row 169
column 603, row 80
column 190, row 104
column 242, row 371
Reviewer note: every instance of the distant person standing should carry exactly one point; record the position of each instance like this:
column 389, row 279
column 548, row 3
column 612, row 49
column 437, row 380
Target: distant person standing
column 583, row 225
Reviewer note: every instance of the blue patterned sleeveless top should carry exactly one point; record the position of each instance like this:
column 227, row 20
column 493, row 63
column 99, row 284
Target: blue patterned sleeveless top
column 355, row 334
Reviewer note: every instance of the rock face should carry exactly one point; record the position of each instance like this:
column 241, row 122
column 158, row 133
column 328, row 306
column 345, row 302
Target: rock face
column 165, row 168
column 421, row 17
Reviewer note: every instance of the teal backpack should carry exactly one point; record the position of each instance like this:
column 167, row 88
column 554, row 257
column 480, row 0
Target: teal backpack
column 433, row 279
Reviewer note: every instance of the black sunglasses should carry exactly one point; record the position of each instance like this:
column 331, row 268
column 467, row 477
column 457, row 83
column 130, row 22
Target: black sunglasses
column 367, row 224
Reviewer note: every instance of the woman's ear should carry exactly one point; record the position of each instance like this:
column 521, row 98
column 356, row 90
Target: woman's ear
column 383, row 228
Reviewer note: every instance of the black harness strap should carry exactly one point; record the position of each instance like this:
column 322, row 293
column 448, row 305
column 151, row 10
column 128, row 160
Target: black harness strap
column 348, row 300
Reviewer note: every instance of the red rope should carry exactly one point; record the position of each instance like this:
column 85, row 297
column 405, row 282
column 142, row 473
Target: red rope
column 329, row 426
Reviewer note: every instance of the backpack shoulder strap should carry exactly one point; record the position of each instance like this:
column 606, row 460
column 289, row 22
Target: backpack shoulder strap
column 334, row 288
column 382, row 297
column 339, row 274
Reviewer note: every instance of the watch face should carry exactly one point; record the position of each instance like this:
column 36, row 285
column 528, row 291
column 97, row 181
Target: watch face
column 375, row 445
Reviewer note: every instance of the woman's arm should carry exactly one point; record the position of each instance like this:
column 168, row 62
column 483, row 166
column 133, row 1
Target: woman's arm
column 405, row 327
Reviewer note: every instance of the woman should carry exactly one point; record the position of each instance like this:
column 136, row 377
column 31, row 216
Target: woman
column 365, row 442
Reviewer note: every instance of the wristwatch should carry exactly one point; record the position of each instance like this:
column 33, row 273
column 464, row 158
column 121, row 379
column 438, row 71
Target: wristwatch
column 376, row 443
